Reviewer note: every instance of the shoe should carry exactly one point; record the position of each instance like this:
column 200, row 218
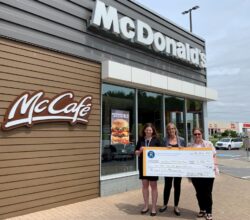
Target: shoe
column 209, row 216
column 144, row 211
column 201, row 214
column 153, row 214
column 177, row 211
column 163, row 208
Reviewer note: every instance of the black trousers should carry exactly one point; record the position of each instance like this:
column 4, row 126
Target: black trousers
column 167, row 189
column 204, row 188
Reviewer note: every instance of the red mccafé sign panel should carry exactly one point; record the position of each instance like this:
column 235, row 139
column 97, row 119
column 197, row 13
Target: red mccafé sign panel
column 29, row 109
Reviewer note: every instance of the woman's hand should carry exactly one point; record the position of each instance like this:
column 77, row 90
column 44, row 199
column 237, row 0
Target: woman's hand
column 138, row 152
column 141, row 149
column 216, row 170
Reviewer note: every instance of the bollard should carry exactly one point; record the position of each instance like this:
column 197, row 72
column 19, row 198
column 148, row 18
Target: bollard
column 246, row 144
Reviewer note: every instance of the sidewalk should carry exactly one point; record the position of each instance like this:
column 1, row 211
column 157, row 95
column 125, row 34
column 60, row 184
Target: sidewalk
column 231, row 201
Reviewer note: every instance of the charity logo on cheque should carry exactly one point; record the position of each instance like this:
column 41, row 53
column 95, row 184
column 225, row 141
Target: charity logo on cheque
column 151, row 154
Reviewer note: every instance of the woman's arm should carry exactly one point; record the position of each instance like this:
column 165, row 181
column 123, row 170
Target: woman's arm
column 182, row 142
column 138, row 148
column 216, row 168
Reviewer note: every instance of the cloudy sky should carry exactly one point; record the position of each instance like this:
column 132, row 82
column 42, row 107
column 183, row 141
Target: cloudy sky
column 225, row 25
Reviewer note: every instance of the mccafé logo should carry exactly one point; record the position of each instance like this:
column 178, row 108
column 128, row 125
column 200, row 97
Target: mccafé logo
column 139, row 32
column 29, row 109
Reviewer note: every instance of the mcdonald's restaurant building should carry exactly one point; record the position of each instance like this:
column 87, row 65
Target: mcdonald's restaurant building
column 78, row 80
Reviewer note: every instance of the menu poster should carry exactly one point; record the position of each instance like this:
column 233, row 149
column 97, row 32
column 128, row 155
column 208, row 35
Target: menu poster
column 119, row 127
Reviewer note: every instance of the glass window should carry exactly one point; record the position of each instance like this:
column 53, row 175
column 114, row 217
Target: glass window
column 174, row 112
column 118, row 129
column 150, row 110
column 194, row 116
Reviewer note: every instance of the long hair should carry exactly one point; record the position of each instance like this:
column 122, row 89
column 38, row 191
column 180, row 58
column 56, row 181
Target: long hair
column 176, row 130
column 146, row 126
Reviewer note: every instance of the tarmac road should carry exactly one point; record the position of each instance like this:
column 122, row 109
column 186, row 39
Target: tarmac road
column 234, row 162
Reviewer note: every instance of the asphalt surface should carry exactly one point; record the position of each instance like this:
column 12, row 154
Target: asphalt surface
column 235, row 163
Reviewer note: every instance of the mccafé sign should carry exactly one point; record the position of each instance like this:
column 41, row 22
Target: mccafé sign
column 137, row 31
column 29, row 109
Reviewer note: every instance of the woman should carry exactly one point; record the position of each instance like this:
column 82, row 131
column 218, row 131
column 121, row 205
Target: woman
column 203, row 186
column 172, row 140
column 147, row 138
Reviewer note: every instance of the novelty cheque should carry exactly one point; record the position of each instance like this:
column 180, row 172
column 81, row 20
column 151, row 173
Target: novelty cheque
column 178, row 162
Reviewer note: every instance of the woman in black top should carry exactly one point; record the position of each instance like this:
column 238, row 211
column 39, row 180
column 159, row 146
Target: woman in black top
column 172, row 140
column 147, row 138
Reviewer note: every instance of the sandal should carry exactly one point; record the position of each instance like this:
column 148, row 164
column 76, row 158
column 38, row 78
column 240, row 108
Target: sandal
column 201, row 214
column 209, row 217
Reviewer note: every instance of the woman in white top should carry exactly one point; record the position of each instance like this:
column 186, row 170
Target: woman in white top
column 203, row 186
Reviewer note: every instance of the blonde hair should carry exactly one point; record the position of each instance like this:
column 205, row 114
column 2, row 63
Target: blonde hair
column 176, row 130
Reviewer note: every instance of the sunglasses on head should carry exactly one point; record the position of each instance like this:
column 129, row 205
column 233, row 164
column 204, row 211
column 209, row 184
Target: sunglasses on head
column 197, row 134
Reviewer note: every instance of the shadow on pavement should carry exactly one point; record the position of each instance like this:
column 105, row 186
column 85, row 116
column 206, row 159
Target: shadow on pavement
column 135, row 210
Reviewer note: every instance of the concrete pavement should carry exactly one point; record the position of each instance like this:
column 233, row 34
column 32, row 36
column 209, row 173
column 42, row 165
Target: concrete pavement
column 231, row 202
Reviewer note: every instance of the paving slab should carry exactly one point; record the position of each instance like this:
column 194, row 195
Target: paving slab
column 231, row 201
